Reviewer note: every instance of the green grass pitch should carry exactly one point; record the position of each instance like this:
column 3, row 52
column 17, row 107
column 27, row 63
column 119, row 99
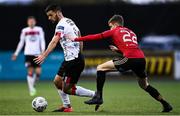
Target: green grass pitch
column 120, row 98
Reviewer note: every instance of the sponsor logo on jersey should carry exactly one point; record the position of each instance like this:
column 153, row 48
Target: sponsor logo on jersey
column 60, row 27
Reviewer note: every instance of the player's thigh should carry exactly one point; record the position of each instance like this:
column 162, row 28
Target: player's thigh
column 107, row 66
column 30, row 64
column 35, row 65
column 62, row 69
column 74, row 71
column 138, row 67
column 61, row 74
column 122, row 64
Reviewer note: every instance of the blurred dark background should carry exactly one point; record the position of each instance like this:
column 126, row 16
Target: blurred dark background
column 91, row 17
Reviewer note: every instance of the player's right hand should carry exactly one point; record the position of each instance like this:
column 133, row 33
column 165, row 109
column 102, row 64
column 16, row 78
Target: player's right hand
column 14, row 57
column 39, row 59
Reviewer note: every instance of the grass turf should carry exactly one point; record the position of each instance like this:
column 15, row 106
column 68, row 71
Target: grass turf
column 123, row 97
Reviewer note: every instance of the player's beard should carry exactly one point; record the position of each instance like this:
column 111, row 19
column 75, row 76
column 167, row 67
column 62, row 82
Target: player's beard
column 54, row 21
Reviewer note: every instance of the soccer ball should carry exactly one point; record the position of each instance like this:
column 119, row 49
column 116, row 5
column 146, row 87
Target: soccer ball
column 39, row 104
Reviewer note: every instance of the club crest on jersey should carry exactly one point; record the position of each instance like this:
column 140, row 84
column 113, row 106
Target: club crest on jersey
column 60, row 27
column 32, row 38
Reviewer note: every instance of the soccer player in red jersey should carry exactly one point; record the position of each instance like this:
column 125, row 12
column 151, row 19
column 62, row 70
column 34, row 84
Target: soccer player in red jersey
column 125, row 42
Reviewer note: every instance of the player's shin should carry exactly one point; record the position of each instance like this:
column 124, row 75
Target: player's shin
column 153, row 92
column 65, row 98
column 83, row 92
column 156, row 95
column 100, row 80
column 36, row 77
column 30, row 81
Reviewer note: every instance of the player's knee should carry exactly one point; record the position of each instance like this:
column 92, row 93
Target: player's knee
column 142, row 85
column 30, row 73
column 58, row 84
column 38, row 71
column 55, row 82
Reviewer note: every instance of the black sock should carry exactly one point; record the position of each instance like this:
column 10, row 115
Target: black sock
column 101, row 77
column 163, row 102
column 153, row 92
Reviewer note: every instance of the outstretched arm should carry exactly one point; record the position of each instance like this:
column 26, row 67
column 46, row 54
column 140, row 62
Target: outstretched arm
column 105, row 34
column 89, row 37
column 40, row 59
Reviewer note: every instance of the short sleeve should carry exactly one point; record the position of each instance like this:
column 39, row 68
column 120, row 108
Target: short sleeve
column 59, row 30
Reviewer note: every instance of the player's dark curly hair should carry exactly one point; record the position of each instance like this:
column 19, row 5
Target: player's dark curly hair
column 53, row 7
column 118, row 19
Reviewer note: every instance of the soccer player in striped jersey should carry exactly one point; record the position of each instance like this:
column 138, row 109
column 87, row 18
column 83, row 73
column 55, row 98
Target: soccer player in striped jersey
column 33, row 38
column 73, row 64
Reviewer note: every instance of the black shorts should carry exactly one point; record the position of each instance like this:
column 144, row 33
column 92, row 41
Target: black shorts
column 71, row 70
column 137, row 65
column 29, row 62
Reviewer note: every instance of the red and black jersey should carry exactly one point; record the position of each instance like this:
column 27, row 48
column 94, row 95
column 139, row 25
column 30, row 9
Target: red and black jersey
column 123, row 38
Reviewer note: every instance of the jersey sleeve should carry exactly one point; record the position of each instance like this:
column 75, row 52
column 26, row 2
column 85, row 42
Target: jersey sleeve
column 59, row 31
column 21, row 43
column 103, row 35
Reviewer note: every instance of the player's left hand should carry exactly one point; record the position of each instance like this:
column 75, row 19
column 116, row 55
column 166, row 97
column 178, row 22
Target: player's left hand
column 39, row 59
column 14, row 57
column 113, row 48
